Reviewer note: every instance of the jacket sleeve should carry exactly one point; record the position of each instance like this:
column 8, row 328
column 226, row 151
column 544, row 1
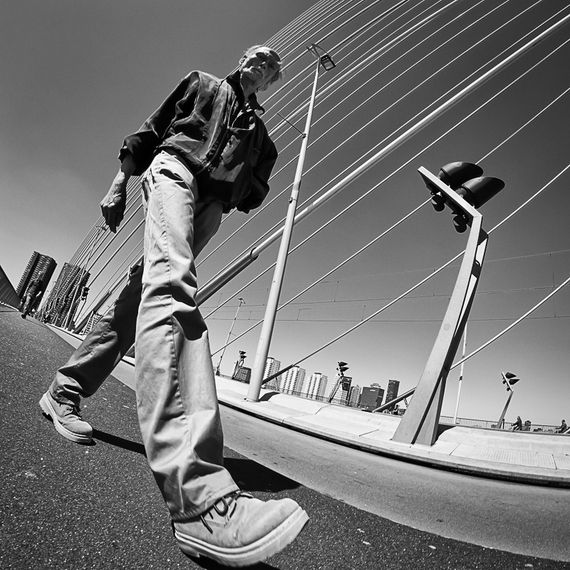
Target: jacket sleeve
column 260, row 177
column 143, row 144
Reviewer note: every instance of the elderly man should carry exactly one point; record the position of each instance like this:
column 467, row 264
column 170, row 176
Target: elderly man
column 204, row 151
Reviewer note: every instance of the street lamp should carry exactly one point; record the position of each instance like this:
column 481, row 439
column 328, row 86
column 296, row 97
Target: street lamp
column 509, row 379
column 240, row 303
column 322, row 59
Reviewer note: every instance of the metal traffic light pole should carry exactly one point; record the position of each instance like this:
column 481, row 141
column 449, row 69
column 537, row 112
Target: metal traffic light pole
column 461, row 187
column 509, row 379
column 342, row 368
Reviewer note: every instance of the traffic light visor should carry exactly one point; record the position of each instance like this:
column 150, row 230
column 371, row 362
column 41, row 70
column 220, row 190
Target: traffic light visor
column 455, row 174
column 479, row 190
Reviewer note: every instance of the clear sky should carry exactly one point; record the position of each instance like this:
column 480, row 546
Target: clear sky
column 78, row 76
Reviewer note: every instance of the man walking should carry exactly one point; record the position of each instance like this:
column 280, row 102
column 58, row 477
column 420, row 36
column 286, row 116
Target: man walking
column 204, row 151
column 33, row 293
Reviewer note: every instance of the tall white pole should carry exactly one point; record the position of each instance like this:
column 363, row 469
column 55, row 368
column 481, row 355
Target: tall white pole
column 279, row 271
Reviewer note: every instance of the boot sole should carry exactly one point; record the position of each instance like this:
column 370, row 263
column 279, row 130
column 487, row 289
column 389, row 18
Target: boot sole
column 50, row 413
column 258, row 551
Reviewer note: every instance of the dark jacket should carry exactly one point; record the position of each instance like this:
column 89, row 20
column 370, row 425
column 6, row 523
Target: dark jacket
column 208, row 124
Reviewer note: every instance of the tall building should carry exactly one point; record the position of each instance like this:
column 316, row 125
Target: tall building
column 292, row 380
column 272, row 365
column 380, row 395
column 65, row 296
column 8, row 294
column 354, row 395
column 94, row 318
column 241, row 373
column 316, row 385
column 39, row 266
column 369, row 397
column 392, row 390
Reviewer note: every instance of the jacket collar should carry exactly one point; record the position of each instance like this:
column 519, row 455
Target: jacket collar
column 233, row 80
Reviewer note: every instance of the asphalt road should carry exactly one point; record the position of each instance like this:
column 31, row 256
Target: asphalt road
column 525, row 519
column 68, row 506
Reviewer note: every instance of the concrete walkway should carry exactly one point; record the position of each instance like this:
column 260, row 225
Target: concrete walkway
column 529, row 457
column 525, row 457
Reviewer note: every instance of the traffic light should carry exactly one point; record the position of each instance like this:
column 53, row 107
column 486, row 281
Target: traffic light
column 466, row 179
column 510, row 379
column 84, row 293
column 342, row 368
column 242, row 354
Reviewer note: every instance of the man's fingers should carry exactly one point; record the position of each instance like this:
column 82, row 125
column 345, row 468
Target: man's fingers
column 113, row 208
column 109, row 217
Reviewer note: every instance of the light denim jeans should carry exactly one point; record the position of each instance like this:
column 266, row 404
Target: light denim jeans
column 176, row 394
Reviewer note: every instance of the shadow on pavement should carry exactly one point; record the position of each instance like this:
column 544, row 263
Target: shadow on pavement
column 253, row 477
column 249, row 475
column 211, row 565
column 119, row 441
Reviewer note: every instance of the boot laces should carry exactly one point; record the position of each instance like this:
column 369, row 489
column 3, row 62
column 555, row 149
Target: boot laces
column 224, row 507
column 72, row 410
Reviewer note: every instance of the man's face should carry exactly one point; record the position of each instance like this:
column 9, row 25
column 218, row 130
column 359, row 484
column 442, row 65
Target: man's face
column 258, row 68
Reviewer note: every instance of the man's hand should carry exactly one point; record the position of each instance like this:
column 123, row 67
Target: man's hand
column 114, row 202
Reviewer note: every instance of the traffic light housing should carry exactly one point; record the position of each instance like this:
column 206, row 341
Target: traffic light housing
column 467, row 180
column 342, row 367
column 510, row 379
column 84, row 293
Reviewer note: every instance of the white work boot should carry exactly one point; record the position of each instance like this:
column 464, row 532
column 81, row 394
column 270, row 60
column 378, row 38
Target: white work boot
column 239, row 530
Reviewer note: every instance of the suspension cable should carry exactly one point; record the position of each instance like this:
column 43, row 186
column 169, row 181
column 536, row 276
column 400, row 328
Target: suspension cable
column 421, row 205
column 354, row 134
column 432, row 143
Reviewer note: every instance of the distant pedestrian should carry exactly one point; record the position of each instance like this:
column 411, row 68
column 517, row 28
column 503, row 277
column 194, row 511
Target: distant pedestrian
column 518, row 425
column 563, row 427
column 31, row 296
